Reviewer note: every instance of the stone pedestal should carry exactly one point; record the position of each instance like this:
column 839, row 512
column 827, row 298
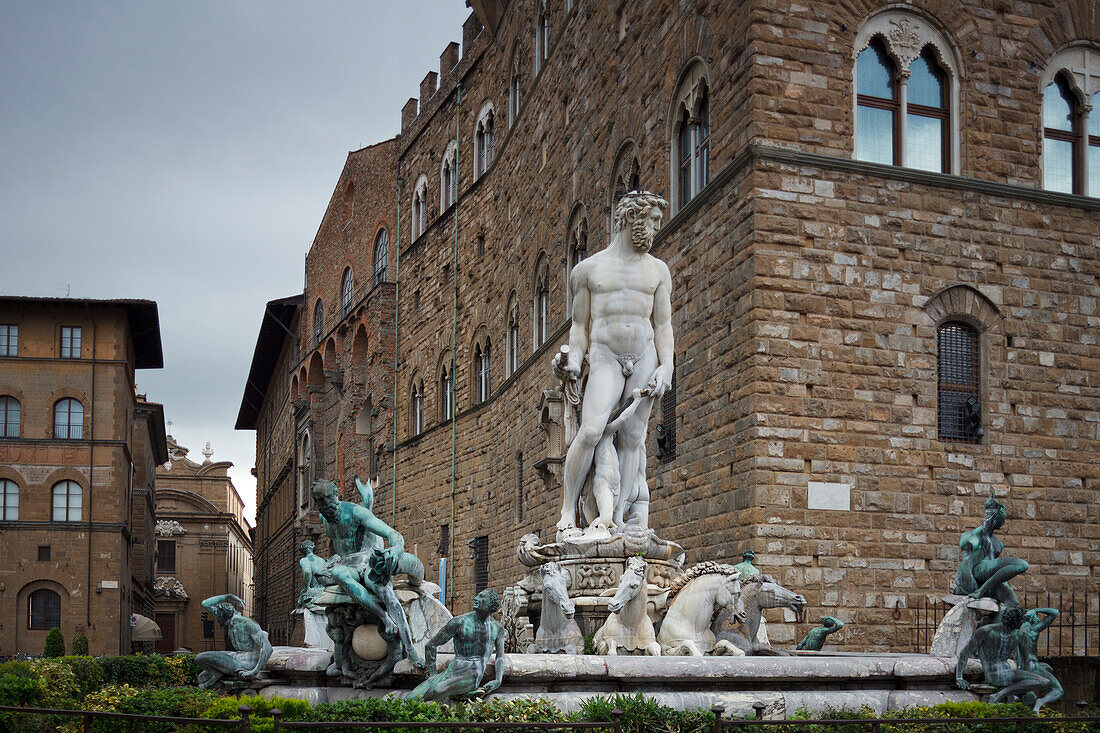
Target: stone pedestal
column 426, row 616
column 595, row 565
column 958, row 625
column 315, row 626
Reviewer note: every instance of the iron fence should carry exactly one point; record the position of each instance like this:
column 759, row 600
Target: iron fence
column 1075, row 633
column 616, row 725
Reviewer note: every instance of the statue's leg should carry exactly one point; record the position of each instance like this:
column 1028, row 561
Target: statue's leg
column 1007, row 569
column 606, row 482
column 630, row 439
column 397, row 615
column 348, row 579
column 605, row 387
column 1054, row 693
column 1022, row 683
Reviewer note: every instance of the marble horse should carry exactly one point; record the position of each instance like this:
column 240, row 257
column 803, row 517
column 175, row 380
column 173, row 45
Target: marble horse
column 628, row 628
column 558, row 631
column 695, row 598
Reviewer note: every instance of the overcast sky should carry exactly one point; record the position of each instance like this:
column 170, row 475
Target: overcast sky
column 185, row 152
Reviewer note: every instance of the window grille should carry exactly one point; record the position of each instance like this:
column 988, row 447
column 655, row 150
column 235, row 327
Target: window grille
column 959, row 388
column 9, row 340
column 166, row 556
column 481, row 563
column 666, row 429
column 444, row 540
column 519, row 487
column 44, row 610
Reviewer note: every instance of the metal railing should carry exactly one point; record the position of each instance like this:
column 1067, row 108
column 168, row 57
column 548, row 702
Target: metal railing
column 876, row 725
column 1075, row 633
column 86, row 717
column 615, row 724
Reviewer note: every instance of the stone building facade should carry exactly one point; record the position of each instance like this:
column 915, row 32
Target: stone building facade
column 886, row 269
column 78, row 451
column 203, row 549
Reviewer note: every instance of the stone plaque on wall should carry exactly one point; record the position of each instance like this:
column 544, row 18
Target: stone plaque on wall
column 835, row 497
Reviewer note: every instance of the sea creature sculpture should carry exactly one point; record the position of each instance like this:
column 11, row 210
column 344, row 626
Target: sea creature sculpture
column 695, row 598
column 628, row 628
column 558, row 631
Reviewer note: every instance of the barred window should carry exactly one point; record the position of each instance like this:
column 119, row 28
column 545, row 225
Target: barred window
column 70, row 342
column 959, row 389
column 9, row 500
column 67, row 502
column 44, row 610
column 68, row 420
column 9, row 340
column 166, row 556
column 666, row 429
column 481, row 563
column 9, row 417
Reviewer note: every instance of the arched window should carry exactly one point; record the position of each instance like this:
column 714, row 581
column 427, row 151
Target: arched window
column 542, row 38
column 381, row 258
column 448, row 177
column 483, row 140
column 318, row 321
column 877, row 108
column 542, row 313
column 483, row 371
column 691, row 139
column 626, row 177
column 578, row 242
column 926, row 115
column 959, row 382
column 420, row 208
column 9, row 417
column 1094, row 148
column 44, row 610
column 515, row 94
column 511, row 360
column 68, row 420
column 9, row 496
column 446, row 395
column 417, row 411
column 347, row 291
column 1061, row 138
column 305, row 470
column 906, row 82
column 67, row 501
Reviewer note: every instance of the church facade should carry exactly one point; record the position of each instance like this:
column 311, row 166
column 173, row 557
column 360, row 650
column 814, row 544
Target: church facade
column 883, row 240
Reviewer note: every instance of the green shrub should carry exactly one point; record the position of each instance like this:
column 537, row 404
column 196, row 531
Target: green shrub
column 60, row 688
column 644, row 713
column 149, row 670
column 379, row 709
column 80, row 644
column 86, row 670
column 55, row 644
column 226, row 708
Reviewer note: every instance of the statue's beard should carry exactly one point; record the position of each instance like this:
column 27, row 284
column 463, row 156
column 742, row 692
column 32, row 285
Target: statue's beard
column 639, row 237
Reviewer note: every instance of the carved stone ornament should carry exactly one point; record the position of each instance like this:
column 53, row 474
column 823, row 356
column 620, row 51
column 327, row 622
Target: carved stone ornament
column 906, row 35
column 170, row 587
column 169, row 527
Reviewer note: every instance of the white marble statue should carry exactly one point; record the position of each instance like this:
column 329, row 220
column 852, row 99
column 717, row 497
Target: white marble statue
column 628, row 629
column 694, row 599
column 622, row 328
